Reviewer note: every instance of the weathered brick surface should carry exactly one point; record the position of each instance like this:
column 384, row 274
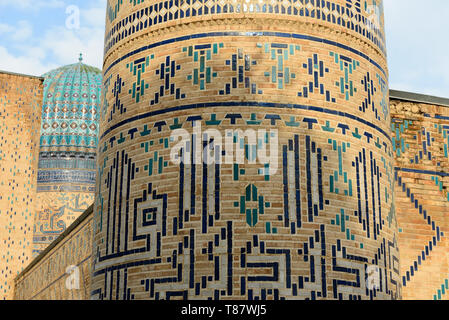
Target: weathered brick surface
column 20, row 111
column 54, row 213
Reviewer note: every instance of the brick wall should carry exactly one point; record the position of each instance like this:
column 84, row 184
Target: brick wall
column 421, row 141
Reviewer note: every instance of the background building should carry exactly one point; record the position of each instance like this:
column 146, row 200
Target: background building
column 420, row 137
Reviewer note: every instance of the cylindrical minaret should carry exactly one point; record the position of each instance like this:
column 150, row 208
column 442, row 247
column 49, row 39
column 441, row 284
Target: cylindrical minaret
column 245, row 152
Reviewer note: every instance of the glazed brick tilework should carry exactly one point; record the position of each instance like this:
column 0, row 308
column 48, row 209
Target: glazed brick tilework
column 420, row 137
column 48, row 278
column 20, row 107
column 314, row 230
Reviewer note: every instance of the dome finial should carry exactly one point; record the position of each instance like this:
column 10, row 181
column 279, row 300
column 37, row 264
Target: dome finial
column 81, row 57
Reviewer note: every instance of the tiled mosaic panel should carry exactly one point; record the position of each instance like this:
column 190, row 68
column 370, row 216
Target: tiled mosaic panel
column 421, row 139
column 55, row 211
column 20, row 107
column 126, row 20
column 197, row 231
column 47, row 279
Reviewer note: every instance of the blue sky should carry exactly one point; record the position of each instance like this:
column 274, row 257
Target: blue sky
column 39, row 35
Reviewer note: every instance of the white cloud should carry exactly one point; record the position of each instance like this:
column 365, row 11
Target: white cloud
column 23, row 31
column 65, row 45
column 94, row 17
column 32, row 4
column 5, row 28
column 31, row 63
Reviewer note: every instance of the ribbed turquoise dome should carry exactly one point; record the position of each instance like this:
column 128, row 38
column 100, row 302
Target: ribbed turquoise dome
column 70, row 107
column 69, row 130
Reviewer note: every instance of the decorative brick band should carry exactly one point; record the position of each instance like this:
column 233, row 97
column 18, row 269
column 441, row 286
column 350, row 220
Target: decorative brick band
column 345, row 14
column 244, row 34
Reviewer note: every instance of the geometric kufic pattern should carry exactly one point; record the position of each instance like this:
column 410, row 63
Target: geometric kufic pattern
column 150, row 212
column 139, row 86
column 166, row 72
column 202, row 74
column 241, row 65
column 116, row 91
column 315, row 229
column 317, row 69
